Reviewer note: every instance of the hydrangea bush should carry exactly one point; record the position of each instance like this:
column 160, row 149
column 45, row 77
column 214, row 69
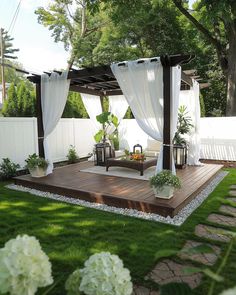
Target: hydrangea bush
column 103, row 274
column 229, row 291
column 24, row 267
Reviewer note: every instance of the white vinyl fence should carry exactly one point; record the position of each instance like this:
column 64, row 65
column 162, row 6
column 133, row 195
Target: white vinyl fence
column 18, row 138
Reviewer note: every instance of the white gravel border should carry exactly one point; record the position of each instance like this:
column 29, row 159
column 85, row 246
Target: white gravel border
column 176, row 220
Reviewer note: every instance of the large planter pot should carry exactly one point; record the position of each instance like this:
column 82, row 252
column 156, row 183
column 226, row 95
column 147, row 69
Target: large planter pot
column 166, row 192
column 37, row 172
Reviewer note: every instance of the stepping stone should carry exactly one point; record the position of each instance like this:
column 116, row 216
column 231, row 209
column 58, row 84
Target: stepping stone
column 210, row 232
column 232, row 193
column 168, row 271
column 222, row 219
column 204, row 258
column 232, row 199
column 139, row 290
column 228, row 210
column 233, row 187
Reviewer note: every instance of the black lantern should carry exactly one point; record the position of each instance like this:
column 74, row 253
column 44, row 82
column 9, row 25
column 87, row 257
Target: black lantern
column 103, row 152
column 180, row 156
column 137, row 148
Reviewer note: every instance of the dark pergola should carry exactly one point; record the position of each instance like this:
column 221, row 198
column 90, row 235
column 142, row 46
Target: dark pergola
column 100, row 81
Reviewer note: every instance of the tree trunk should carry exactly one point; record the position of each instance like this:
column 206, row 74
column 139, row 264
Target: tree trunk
column 231, row 77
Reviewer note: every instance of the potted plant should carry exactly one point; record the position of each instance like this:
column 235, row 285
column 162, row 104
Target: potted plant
column 37, row 166
column 164, row 183
column 184, row 126
column 106, row 119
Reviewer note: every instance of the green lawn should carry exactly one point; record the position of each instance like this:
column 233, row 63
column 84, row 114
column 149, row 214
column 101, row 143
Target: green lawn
column 69, row 234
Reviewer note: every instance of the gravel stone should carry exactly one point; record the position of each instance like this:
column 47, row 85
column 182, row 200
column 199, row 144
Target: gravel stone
column 176, row 220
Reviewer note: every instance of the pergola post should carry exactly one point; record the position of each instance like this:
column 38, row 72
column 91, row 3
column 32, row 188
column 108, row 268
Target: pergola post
column 167, row 102
column 168, row 62
column 39, row 120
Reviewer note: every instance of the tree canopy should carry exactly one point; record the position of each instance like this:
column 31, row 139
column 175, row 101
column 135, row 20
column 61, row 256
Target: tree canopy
column 104, row 31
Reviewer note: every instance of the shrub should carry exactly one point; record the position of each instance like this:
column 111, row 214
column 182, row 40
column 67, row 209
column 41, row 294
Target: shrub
column 8, row 169
column 34, row 161
column 165, row 177
column 24, row 266
column 103, row 273
column 72, row 155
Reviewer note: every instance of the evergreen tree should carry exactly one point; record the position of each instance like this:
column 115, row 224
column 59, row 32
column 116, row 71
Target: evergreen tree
column 20, row 102
column 74, row 107
column 20, row 90
column 10, row 105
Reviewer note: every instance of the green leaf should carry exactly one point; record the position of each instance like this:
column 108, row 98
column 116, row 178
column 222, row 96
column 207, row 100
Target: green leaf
column 115, row 121
column 176, row 289
column 99, row 135
column 213, row 275
column 103, row 117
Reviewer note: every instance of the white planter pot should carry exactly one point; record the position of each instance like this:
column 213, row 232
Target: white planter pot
column 38, row 172
column 166, row 192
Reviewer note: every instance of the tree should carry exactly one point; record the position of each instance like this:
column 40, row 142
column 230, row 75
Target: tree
column 69, row 21
column 20, row 102
column 7, row 52
column 216, row 20
column 10, row 106
column 74, row 107
column 25, row 101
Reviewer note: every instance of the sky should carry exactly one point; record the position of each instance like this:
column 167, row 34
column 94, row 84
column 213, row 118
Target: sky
column 38, row 51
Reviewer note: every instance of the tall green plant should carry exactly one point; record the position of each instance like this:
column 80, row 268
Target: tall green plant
column 20, row 101
column 10, row 105
column 184, row 126
column 106, row 119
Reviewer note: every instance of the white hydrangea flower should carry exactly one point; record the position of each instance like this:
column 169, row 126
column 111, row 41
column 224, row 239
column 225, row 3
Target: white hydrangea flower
column 24, row 267
column 104, row 274
column 229, row 291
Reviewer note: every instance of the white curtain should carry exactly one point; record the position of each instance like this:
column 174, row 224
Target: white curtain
column 190, row 99
column 142, row 85
column 118, row 106
column 54, row 92
column 93, row 106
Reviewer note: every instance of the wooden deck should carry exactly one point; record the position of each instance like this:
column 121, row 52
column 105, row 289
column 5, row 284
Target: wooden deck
column 120, row 191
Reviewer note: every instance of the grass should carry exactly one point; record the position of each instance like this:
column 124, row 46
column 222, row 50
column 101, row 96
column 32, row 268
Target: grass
column 69, row 234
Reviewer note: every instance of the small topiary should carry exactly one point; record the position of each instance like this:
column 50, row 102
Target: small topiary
column 8, row 169
column 72, row 155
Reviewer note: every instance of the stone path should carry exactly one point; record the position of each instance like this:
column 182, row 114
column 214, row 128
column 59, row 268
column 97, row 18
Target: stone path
column 210, row 232
column 204, row 258
column 228, row 209
column 232, row 193
column 222, row 219
column 139, row 290
column 168, row 270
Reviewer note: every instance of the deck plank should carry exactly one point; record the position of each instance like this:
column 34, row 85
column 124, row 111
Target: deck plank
column 119, row 191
